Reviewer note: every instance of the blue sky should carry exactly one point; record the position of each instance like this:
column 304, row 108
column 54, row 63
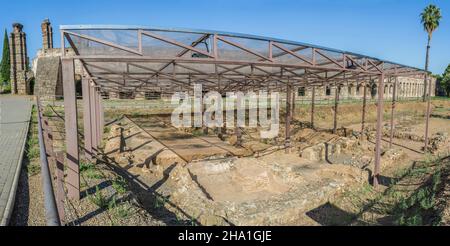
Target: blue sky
column 388, row 29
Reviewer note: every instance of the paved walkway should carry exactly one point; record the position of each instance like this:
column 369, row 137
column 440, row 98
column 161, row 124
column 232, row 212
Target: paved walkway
column 15, row 114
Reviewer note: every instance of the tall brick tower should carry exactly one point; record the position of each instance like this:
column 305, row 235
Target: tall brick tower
column 47, row 35
column 19, row 61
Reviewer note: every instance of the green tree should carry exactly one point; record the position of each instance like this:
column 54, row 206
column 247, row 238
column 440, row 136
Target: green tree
column 430, row 18
column 444, row 80
column 5, row 63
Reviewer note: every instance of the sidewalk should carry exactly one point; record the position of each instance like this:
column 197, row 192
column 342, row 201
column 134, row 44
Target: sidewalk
column 15, row 112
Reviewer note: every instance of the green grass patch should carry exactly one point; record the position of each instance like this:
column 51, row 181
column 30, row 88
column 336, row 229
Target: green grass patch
column 89, row 170
column 121, row 211
column 419, row 206
column 85, row 166
column 32, row 151
column 418, row 209
column 120, row 185
column 99, row 199
column 33, row 169
column 160, row 201
column 198, row 132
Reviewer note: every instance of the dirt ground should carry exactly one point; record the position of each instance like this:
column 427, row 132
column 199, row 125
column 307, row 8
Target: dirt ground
column 241, row 186
column 152, row 174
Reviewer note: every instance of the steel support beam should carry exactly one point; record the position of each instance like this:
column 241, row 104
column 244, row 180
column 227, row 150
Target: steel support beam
column 294, row 92
column 71, row 127
column 427, row 121
column 336, row 104
column 363, row 118
column 379, row 133
column 101, row 114
column 313, row 98
column 87, row 124
column 394, row 92
column 93, row 117
column 287, row 143
column 97, row 116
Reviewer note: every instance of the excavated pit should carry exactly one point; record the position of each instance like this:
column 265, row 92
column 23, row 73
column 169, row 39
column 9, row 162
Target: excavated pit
column 211, row 180
column 220, row 184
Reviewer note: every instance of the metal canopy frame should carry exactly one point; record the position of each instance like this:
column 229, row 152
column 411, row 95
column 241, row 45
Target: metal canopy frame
column 138, row 58
column 146, row 59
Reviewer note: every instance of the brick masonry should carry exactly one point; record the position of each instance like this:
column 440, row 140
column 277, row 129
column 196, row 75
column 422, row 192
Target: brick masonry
column 19, row 61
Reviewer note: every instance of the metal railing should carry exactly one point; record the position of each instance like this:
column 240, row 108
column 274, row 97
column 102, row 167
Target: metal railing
column 54, row 207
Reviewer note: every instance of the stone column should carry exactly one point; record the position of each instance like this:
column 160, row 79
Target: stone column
column 47, row 35
column 140, row 95
column 113, row 95
column 19, row 61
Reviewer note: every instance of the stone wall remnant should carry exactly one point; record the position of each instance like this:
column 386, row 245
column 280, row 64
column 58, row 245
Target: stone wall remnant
column 19, row 61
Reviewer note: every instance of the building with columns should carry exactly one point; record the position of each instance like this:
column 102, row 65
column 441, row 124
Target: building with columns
column 46, row 66
column 407, row 87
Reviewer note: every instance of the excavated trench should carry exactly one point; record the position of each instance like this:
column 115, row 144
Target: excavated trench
column 218, row 183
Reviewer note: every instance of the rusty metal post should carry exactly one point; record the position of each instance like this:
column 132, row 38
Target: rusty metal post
column 102, row 114
column 293, row 104
column 427, row 121
column 71, row 126
column 363, row 120
column 203, row 109
column 379, row 133
column 93, row 121
column 97, row 117
column 237, row 129
column 287, row 143
column 336, row 103
column 394, row 92
column 60, row 193
column 87, row 124
column 313, row 98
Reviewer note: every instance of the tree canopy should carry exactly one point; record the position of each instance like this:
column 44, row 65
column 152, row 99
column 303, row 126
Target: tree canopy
column 431, row 16
column 444, row 80
column 5, row 64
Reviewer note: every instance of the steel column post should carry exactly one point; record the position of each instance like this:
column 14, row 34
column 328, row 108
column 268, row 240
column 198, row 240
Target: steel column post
column 237, row 129
column 376, row 171
column 363, row 120
column 60, row 193
column 293, row 104
column 71, row 127
column 97, row 117
column 336, row 103
column 394, row 92
column 313, row 97
column 87, row 118
column 93, row 121
column 427, row 121
column 287, row 143
column 102, row 114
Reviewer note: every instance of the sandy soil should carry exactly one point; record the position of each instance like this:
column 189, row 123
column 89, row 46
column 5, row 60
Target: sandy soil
column 176, row 177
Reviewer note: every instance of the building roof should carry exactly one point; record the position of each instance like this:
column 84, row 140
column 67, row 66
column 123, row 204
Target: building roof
column 141, row 58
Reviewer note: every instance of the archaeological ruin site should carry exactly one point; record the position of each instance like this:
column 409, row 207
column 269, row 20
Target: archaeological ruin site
column 348, row 124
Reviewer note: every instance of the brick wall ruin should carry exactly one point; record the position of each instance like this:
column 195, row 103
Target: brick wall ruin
column 46, row 66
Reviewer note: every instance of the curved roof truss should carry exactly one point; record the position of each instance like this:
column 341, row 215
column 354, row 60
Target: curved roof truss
column 135, row 58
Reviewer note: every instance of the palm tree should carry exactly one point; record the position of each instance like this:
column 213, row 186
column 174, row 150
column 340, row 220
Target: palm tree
column 431, row 16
